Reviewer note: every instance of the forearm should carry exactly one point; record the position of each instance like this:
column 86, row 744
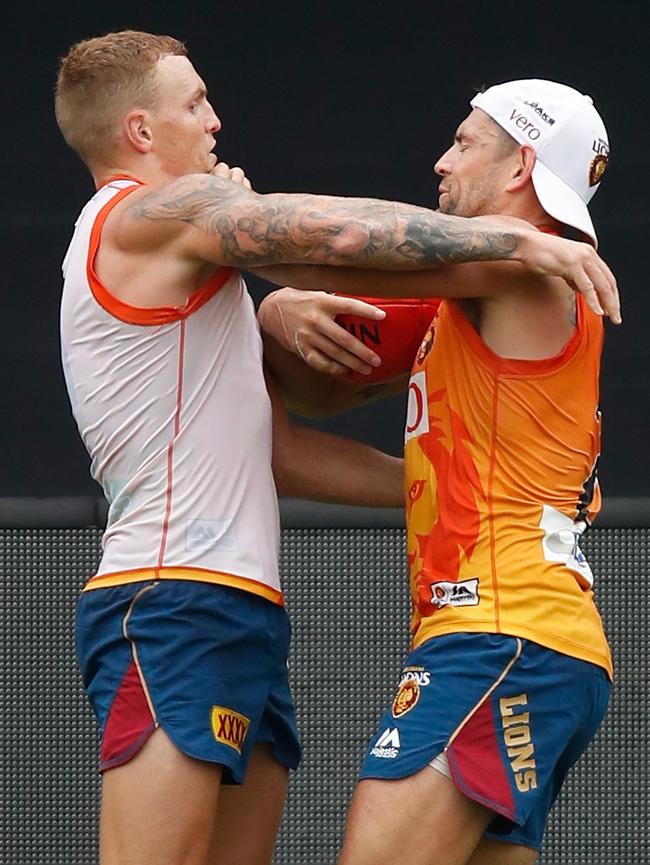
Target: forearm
column 243, row 228
column 443, row 281
column 315, row 465
column 208, row 218
column 365, row 232
column 304, row 391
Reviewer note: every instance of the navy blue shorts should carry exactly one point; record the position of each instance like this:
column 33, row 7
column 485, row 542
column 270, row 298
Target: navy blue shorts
column 511, row 716
column 206, row 663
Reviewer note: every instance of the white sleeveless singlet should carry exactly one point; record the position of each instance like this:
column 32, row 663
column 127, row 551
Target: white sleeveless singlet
column 173, row 409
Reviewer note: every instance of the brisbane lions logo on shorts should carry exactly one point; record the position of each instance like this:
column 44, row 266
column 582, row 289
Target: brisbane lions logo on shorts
column 407, row 696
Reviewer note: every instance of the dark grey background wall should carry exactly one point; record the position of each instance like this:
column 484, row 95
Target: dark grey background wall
column 349, row 98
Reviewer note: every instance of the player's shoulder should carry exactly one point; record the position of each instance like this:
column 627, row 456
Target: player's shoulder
column 155, row 214
column 144, row 218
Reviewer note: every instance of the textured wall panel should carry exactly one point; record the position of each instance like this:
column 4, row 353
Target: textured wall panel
column 346, row 592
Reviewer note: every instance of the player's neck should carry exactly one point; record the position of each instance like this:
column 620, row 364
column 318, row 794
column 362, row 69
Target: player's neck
column 528, row 208
column 144, row 171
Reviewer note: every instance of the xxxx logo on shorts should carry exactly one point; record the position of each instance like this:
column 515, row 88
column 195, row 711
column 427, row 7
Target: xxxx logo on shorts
column 229, row 727
column 407, row 696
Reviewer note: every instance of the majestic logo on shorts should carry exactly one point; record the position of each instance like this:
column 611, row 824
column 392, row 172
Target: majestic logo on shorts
column 407, row 696
column 388, row 744
column 462, row 594
column 519, row 742
column 229, row 727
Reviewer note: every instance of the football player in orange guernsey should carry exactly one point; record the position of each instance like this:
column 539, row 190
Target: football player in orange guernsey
column 182, row 635
column 509, row 674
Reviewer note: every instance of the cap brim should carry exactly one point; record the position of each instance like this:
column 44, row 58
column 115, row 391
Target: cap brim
column 561, row 202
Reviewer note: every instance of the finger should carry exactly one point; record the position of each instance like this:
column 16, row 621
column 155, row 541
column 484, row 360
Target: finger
column 247, row 183
column 605, row 286
column 605, row 291
column 237, row 175
column 608, row 295
column 337, row 305
column 323, row 364
column 341, row 337
column 222, row 169
column 583, row 283
column 333, row 352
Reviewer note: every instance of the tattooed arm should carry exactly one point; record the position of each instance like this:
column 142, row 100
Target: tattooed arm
column 214, row 220
column 312, row 464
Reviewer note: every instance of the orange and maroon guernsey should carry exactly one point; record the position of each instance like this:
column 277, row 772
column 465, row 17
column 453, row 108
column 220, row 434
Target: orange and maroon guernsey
column 501, row 460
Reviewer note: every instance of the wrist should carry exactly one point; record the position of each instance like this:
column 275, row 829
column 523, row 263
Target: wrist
column 267, row 311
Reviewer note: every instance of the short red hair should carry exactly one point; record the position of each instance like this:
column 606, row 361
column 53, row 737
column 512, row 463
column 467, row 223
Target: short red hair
column 100, row 80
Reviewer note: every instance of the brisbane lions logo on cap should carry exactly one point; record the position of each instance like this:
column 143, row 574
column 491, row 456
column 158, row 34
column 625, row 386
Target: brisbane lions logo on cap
column 597, row 169
column 598, row 164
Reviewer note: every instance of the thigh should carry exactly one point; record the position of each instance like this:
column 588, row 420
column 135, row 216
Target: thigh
column 249, row 815
column 158, row 807
column 509, row 715
column 422, row 819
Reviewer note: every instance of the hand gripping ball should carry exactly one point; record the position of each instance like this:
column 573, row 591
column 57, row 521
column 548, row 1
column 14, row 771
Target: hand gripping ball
column 396, row 338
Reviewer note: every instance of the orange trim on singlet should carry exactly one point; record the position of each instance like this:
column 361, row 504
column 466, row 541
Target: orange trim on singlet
column 197, row 575
column 115, row 177
column 510, row 365
column 143, row 315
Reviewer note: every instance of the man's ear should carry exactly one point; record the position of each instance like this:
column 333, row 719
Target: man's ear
column 137, row 130
column 522, row 167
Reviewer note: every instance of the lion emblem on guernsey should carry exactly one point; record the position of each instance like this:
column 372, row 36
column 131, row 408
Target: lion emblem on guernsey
column 407, row 696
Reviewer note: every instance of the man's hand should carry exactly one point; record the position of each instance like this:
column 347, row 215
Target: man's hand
column 577, row 263
column 236, row 174
column 303, row 322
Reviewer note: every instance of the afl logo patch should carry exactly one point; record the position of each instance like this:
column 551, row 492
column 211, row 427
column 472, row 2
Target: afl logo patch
column 407, row 696
column 597, row 168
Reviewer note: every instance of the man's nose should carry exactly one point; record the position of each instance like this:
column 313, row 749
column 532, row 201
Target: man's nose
column 214, row 123
column 443, row 166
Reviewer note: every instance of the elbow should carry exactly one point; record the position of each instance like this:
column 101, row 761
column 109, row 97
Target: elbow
column 350, row 243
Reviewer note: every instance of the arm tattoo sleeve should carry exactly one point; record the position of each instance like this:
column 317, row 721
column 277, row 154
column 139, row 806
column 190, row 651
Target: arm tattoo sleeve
column 250, row 229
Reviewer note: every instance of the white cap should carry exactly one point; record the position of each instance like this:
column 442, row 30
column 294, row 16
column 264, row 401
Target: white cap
column 568, row 136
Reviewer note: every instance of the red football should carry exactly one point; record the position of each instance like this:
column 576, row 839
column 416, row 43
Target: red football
column 395, row 338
